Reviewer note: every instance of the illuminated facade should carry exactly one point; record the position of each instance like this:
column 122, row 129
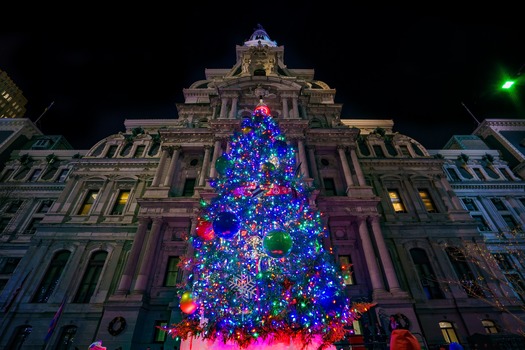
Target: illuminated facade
column 118, row 216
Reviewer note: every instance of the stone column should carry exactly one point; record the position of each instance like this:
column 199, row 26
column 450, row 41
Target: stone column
column 224, row 105
column 384, row 255
column 148, row 255
column 370, row 256
column 357, row 167
column 285, row 108
column 217, row 151
column 302, row 158
column 173, row 165
column 205, row 165
column 346, row 169
column 295, row 108
column 160, row 167
column 233, row 109
column 313, row 164
column 133, row 258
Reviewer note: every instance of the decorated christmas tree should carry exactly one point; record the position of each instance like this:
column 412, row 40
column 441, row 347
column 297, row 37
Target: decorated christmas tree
column 259, row 276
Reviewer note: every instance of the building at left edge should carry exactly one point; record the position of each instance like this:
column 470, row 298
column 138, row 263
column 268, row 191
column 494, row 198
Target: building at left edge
column 101, row 231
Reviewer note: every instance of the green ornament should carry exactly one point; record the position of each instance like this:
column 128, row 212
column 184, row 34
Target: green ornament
column 221, row 164
column 268, row 167
column 277, row 243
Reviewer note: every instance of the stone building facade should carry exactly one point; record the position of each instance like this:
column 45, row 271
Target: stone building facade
column 118, row 216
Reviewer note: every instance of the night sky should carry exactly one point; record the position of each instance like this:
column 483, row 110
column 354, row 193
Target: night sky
column 421, row 67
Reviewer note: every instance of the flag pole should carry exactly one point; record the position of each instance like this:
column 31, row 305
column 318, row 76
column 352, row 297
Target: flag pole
column 54, row 322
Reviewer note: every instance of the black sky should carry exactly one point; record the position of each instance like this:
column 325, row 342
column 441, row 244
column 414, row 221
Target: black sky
column 421, row 67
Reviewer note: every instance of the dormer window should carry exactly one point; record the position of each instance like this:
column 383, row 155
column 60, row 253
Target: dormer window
column 42, row 144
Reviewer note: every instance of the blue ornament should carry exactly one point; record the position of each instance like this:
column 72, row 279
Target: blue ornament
column 226, row 224
column 281, row 147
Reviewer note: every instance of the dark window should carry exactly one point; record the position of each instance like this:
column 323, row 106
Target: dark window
column 126, row 149
column 498, row 203
column 4, row 222
column 171, row 278
column 112, row 150
column 85, row 208
column 33, row 225
column 465, row 173
column 120, row 203
column 194, row 162
column 66, row 338
column 53, row 273
column 479, row 173
column 464, row 273
column 63, row 175
column 378, row 150
column 13, row 207
column 329, row 186
column 426, row 274
column 35, row 175
column 91, row 277
column 7, row 175
column 469, row 204
column 189, row 187
column 160, row 336
column 45, row 206
column 19, row 336
column 482, row 223
column 511, row 222
column 452, row 174
column 396, row 201
column 505, row 174
column 404, row 150
column 154, row 149
column 139, row 151
column 8, row 265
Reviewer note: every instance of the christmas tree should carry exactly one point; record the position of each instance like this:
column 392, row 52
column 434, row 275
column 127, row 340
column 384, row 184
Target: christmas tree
column 259, row 275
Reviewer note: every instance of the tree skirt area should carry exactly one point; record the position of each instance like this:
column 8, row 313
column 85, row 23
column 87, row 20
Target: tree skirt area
column 293, row 344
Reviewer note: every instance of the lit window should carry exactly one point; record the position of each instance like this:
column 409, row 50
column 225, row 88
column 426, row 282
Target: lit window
column 88, row 202
column 448, row 331
column 490, row 326
column 171, row 278
column 160, row 336
column 398, row 205
column 120, row 203
column 427, row 201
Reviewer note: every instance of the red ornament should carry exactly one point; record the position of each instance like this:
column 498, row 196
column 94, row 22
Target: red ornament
column 187, row 304
column 205, row 230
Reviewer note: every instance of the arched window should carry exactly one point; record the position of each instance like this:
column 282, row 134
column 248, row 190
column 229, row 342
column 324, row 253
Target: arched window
column 448, row 331
column 67, row 336
column 19, row 336
column 426, row 274
column 464, row 273
column 91, row 276
column 53, row 273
